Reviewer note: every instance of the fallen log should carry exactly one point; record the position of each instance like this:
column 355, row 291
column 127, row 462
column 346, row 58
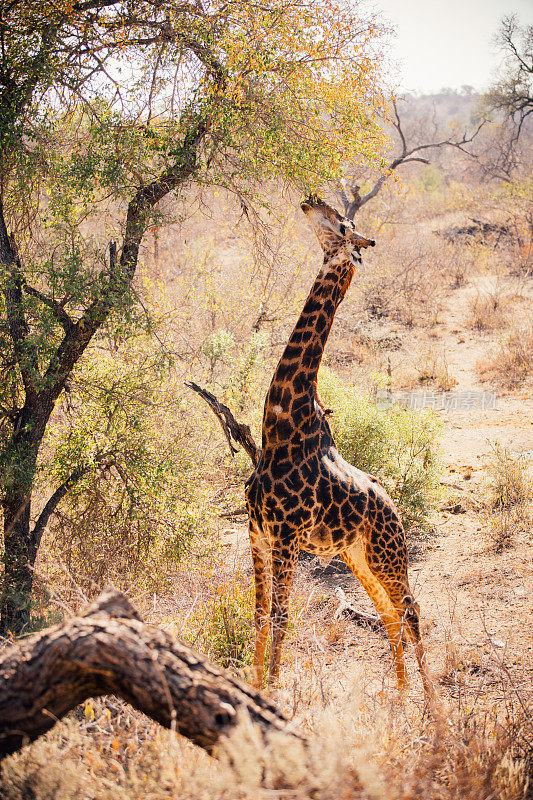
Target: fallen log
column 108, row 649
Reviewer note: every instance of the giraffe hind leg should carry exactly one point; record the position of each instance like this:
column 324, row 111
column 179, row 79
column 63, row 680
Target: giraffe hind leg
column 394, row 580
column 411, row 616
column 391, row 619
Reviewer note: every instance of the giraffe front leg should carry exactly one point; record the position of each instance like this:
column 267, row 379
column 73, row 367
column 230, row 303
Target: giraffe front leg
column 263, row 581
column 283, row 563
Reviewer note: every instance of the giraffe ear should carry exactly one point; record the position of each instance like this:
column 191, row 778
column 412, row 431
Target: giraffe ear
column 321, row 220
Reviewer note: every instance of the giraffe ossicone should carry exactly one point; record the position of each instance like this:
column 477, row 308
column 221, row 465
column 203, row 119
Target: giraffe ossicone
column 304, row 495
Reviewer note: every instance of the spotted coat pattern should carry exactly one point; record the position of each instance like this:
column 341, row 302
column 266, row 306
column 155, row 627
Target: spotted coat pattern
column 304, row 495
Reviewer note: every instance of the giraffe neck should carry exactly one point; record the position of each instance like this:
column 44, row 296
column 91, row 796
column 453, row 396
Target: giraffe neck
column 292, row 390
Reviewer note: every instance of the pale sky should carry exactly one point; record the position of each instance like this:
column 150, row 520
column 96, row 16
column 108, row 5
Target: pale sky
column 446, row 42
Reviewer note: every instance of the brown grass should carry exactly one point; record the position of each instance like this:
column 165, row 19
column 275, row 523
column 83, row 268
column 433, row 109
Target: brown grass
column 510, row 494
column 489, row 311
column 362, row 748
column 511, row 365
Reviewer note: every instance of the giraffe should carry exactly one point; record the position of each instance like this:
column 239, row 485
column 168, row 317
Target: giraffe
column 304, row 495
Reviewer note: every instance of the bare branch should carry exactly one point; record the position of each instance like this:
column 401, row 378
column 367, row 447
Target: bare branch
column 233, row 430
column 398, row 127
column 407, row 155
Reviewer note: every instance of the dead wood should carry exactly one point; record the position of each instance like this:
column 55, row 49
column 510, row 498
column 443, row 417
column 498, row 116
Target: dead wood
column 354, row 614
column 233, row 431
column 108, row 649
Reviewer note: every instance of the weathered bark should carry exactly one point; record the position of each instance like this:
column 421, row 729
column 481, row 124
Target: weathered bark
column 109, row 650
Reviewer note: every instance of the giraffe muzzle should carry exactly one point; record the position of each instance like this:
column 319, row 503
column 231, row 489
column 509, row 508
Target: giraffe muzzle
column 360, row 241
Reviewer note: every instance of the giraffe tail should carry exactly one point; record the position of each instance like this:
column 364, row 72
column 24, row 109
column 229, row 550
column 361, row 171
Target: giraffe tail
column 411, row 619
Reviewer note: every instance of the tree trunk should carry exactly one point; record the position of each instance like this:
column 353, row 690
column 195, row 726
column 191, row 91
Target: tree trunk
column 19, row 558
column 109, row 650
column 20, row 544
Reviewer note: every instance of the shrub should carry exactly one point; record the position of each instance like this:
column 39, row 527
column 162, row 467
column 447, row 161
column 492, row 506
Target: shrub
column 510, row 493
column 431, row 178
column 408, row 285
column 223, row 627
column 229, row 626
column 397, row 445
column 135, row 506
column 432, row 368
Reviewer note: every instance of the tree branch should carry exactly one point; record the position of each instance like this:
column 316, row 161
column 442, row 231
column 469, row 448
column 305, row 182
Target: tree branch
column 53, row 503
column 57, row 308
column 109, row 650
column 406, row 156
column 121, row 271
column 233, row 430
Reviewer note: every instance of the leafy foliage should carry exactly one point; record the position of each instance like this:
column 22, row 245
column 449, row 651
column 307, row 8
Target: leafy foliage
column 228, row 626
column 136, row 505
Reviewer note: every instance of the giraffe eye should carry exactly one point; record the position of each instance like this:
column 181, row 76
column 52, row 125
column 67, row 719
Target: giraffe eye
column 343, row 229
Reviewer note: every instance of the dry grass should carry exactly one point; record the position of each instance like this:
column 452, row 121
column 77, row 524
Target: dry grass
column 427, row 368
column 510, row 493
column 433, row 370
column 511, row 365
column 362, row 748
column 365, row 743
column 489, row 311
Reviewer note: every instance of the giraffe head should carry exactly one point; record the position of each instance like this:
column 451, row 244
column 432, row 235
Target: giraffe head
column 336, row 234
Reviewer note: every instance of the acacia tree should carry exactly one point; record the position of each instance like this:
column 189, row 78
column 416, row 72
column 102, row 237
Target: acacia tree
column 106, row 107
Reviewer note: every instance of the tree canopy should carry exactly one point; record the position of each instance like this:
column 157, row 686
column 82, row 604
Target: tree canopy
column 281, row 88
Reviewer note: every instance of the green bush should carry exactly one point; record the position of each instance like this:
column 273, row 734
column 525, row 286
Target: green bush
column 137, row 505
column 223, row 626
column 399, row 446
